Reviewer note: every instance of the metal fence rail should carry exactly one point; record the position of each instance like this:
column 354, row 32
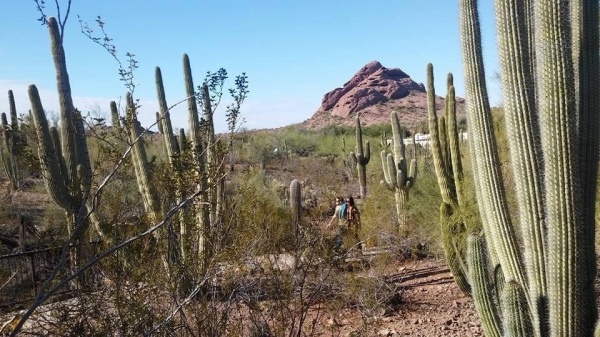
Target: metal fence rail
column 21, row 274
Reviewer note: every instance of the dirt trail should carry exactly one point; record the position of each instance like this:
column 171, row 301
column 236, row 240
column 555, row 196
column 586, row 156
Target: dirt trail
column 432, row 305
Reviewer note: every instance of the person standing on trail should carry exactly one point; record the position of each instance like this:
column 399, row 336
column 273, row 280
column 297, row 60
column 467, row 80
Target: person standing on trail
column 353, row 220
column 340, row 214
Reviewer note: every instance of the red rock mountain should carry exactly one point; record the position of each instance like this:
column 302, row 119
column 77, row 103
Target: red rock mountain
column 373, row 92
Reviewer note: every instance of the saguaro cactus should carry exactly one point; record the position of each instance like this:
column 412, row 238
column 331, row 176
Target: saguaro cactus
column 397, row 176
column 551, row 107
column 448, row 169
column 296, row 203
column 65, row 166
column 114, row 116
column 11, row 143
column 361, row 157
column 140, row 162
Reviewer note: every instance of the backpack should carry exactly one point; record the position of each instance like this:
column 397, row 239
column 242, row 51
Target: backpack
column 343, row 210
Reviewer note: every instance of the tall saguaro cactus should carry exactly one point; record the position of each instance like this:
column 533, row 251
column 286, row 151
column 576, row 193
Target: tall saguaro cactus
column 552, row 113
column 361, row 157
column 448, row 169
column 201, row 209
column 11, row 143
column 140, row 162
column 296, row 204
column 397, row 176
column 66, row 165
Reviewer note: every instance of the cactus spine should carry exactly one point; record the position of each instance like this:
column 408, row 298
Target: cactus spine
column 448, row 169
column 361, row 157
column 553, row 143
column 397, row 176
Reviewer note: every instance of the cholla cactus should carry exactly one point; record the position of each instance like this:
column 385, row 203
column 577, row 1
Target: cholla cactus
column 397, row 176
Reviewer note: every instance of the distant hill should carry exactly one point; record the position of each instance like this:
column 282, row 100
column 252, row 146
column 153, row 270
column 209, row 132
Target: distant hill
column 373, row 92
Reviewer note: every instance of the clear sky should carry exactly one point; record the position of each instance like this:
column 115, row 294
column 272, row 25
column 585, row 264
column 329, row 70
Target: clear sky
column 292, row 51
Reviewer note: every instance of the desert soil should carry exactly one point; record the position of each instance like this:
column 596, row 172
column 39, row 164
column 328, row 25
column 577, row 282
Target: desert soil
column 432, row 305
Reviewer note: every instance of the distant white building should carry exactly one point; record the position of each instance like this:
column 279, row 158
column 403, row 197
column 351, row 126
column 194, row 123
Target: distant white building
column 424, row 139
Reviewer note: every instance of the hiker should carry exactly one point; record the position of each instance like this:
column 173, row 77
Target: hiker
column 340, row 214
column 353, row 219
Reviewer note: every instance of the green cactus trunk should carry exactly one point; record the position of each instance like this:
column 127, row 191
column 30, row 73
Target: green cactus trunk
column 200, row 207
column 140, row 163
column 552, row 133
column 296, row 205
column 361, row 157
column 114, row 116
column 11, row 143
column 173, row 155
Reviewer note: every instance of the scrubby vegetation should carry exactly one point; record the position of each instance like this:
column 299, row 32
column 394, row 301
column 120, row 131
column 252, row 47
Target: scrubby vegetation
column 189, row 232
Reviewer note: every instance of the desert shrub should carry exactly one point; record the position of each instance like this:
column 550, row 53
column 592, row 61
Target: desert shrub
column 257, row 215
column 337, row 130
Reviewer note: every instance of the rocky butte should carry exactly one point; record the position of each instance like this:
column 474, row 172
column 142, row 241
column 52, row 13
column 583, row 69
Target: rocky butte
column 373, row 92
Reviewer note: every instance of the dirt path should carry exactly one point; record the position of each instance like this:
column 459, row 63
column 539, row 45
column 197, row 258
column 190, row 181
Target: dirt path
column 432, row 305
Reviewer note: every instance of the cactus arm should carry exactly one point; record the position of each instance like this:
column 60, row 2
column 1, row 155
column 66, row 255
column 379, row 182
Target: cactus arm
column 114, row 114
column 14, row 122
column 367, row 154
column 8, row 155
column 201, row 210
column 478, row 266
column 140, row 162
column 489, row 189
column 412, row 174
column 55, row 135
column 387, row 180
column 167, row 128
column 67, row 109
column 522, row 126
column 441, row 172
column 84, row 168
column 362, row 156
column 193, row 119
column 159, row 124
column 567, row 292
column 589, row 103
column 210, row 127
column 453, row 144
column 296, row 204
column 55, row 184
column 517, row 317
column 182, row 140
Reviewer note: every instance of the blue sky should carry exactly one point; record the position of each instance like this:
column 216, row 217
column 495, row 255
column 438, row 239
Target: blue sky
column 293, row 52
